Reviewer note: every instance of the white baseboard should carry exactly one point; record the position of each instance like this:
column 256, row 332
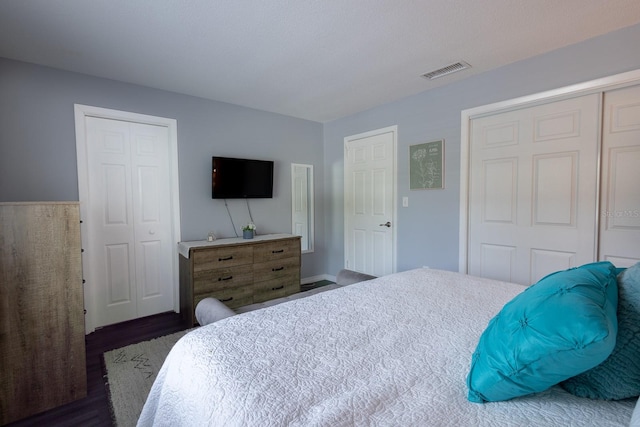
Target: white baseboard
column 318, row 278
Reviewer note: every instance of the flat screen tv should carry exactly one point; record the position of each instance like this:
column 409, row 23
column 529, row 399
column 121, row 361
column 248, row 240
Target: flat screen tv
column 241, row 178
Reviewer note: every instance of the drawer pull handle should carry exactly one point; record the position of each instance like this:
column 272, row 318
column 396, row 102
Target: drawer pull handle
column 225, row 278
column 277, row 269
column 277, row 252
column 226, row 259
column 226, row 300
column 279, row 287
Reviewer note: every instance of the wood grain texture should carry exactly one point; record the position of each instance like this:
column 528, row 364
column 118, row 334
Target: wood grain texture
column 237, row 274
column 222, row 257
column 277, row 249
column 276, row 288
column 42, row 349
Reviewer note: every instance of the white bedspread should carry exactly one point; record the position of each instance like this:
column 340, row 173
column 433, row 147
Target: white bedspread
column 394, row 351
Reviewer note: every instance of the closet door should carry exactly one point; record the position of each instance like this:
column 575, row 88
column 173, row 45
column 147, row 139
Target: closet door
column 620, row 201
column 533, row 190
column 130, row 251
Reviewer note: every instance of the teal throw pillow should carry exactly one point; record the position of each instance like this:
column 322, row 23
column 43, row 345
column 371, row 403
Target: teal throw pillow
column 618, row 377
column 558, row 328
column 635, row 417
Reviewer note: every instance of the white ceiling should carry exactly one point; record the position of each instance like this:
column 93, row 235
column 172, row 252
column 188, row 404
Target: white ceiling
column 314, row 59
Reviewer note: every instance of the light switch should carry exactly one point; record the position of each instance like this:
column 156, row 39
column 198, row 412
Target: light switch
column 405, row 202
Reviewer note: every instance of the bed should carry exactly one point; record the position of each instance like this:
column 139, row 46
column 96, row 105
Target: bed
column 393, row 351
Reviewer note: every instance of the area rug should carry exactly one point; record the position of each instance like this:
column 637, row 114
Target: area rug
column 130, row 372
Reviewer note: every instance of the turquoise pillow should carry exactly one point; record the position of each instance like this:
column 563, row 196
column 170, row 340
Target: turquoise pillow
column 558, row 328
column 635, row 417
column 618, row 377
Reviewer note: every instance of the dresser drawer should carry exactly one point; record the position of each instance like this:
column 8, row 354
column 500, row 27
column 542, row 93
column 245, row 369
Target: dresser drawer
column 277, row 249
column 215, row 258
column 276, row 288
column 276, row 269
column 232, row 298
column 222, row 278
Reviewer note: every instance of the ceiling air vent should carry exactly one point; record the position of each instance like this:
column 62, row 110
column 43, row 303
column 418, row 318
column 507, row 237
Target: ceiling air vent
column 449, row 69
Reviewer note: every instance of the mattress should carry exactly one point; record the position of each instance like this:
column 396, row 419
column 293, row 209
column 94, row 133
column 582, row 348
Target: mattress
column 387, row 352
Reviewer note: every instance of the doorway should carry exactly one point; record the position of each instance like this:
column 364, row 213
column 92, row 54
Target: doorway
column 370, row 201
column 129, row 205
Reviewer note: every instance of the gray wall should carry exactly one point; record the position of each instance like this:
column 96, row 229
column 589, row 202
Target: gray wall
column 38, row 149
column 38, row 160
column 428, row 228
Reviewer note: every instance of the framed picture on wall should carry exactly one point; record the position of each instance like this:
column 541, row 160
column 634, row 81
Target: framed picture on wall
column 426, row 166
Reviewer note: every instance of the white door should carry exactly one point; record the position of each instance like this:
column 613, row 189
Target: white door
column 533, row 190
column 128, row 220
column 620, row 201
column 369, row 201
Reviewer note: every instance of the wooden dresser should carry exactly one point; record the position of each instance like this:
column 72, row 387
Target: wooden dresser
column 238, row 271
column 42, row 349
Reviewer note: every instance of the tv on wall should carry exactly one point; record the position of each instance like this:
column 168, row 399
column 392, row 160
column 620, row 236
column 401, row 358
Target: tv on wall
column 241, row 178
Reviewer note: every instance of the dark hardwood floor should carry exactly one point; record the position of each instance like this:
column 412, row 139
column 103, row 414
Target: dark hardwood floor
column 94, row 410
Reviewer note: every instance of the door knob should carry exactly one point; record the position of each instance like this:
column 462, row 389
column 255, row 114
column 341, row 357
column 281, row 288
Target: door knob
column 152, row 231
column 386, row 224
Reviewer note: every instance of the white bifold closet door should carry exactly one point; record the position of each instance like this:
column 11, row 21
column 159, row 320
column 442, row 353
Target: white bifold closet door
column 129, row 224
column 533, row 183
column 620, row 201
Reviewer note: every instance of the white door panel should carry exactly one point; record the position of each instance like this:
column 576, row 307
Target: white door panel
column 129, row 226
column 532, row 190
column 620, row 202
column 369, row 202
column 110, row 224
column 152, row 208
